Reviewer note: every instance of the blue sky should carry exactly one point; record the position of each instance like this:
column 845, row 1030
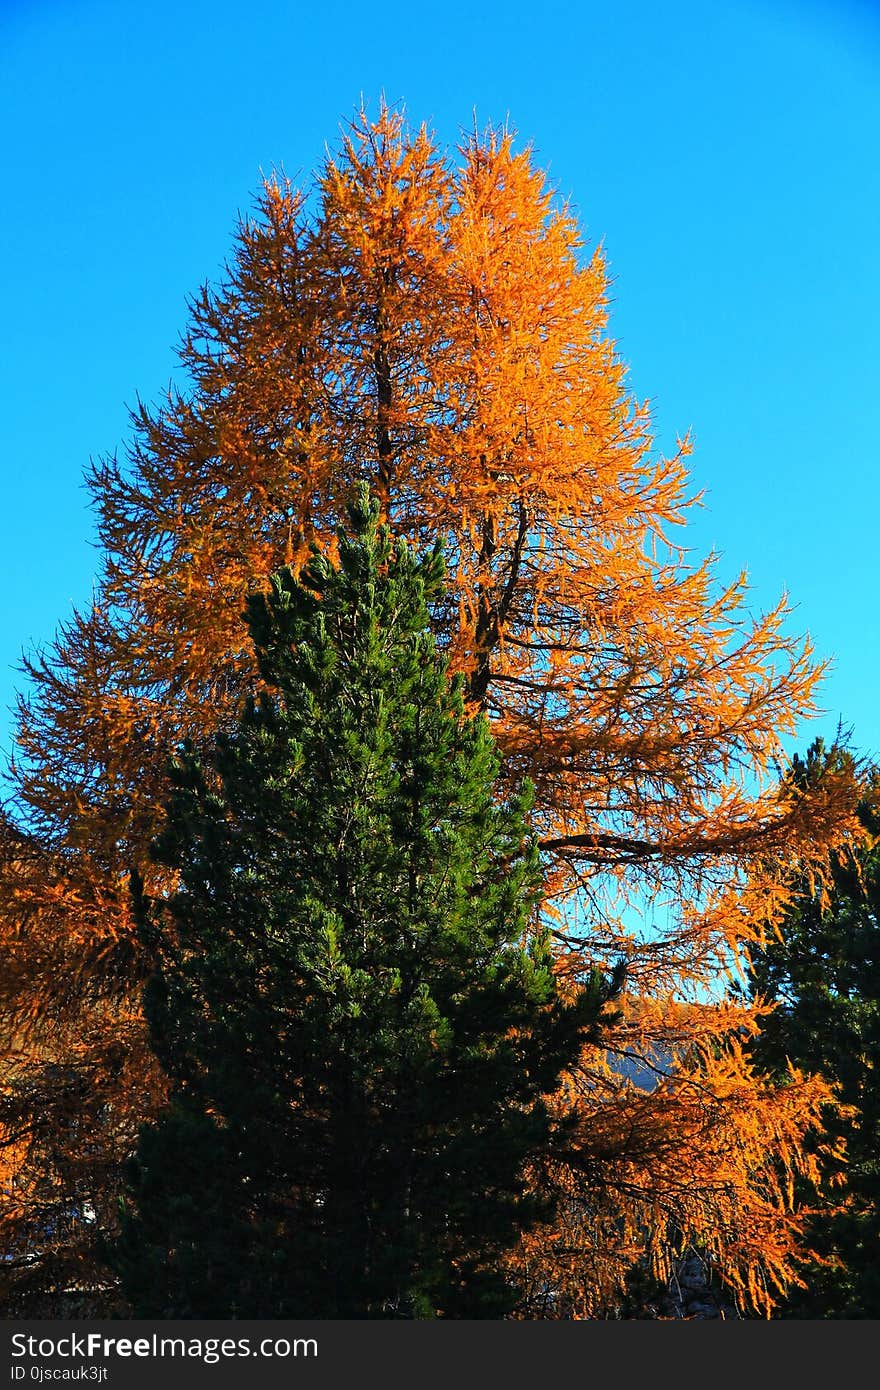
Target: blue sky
column 726, row 155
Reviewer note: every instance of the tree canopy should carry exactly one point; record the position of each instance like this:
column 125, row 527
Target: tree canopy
column 821, row 972
column 358, row 1027
column 431, row 324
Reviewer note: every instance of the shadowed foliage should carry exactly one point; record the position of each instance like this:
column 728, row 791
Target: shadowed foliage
column 357, row 1025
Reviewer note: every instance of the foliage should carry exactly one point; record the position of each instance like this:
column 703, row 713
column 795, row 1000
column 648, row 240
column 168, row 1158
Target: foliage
column 357, row 1026
column 434, row 329
column 821, row 970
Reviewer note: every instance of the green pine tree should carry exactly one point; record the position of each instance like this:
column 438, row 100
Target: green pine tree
column 353, row 1003
column 823, row 974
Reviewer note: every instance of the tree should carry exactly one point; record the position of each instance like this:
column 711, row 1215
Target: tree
column 821, row 972
column 357, row 1027
column 434, row 330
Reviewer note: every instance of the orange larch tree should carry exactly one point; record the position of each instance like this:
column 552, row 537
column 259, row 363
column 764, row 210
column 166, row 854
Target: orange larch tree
column 433, row 326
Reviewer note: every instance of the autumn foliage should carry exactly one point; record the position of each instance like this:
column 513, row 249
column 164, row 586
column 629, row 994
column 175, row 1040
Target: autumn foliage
column 433, row 325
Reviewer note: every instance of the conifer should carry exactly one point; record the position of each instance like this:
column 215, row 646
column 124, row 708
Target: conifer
column 435, row 328
column 356, row 1023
